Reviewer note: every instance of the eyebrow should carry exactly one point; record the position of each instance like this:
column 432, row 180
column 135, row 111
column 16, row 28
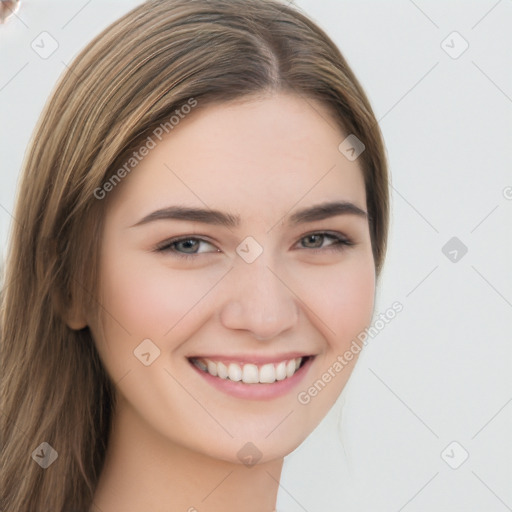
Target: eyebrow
column 217, row 218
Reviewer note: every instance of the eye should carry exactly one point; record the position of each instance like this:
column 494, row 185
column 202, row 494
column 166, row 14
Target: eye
column 189, row 247
column 185, row 247
column 317, row 240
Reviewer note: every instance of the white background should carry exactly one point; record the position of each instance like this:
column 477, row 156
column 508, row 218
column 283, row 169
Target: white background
column 441, row 370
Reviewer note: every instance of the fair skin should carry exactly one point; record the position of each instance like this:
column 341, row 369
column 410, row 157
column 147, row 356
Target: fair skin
column 176, row 436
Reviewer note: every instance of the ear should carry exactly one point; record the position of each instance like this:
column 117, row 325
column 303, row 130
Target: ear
column 71, row 314
column 75, row 320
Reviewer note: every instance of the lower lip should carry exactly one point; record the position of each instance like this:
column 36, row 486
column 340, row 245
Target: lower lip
column 256, row 391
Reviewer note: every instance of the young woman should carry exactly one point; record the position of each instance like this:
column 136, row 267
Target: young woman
column 200, row 223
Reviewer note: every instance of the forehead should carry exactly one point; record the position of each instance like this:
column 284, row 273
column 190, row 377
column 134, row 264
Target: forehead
column 256, row 158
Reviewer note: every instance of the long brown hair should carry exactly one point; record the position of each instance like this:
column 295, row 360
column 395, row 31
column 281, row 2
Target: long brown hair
column 127, row 81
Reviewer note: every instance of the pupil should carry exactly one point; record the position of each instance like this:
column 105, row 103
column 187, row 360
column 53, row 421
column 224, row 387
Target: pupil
column 319, row 239
column 188, row 244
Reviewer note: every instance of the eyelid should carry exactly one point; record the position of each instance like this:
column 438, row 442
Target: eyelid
column 340, row 241
column 334, row 234
column 165, row 245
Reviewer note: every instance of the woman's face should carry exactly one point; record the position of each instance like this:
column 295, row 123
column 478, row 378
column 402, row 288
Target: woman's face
column 254, row 277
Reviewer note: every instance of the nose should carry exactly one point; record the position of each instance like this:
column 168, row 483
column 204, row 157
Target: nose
column 259, row 301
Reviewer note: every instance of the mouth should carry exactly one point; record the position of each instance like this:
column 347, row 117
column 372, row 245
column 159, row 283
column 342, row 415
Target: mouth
column 253, row 378
column 250, row 373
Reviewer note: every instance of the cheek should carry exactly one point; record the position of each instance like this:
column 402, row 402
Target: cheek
column 344, row 301
column 149, row 300
column 351, row 304
column 342, row 298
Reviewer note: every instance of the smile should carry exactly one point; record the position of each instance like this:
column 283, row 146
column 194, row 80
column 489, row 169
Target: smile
column 250, row 373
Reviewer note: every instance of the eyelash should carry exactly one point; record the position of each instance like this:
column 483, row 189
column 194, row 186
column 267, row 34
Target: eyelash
column 340, row 243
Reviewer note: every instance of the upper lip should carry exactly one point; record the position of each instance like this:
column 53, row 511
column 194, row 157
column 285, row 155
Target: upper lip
column 251, row 358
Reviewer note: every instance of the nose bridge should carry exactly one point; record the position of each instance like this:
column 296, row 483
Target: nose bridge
column 258, row 300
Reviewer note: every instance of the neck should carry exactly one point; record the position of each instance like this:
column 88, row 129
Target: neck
column 145, row 471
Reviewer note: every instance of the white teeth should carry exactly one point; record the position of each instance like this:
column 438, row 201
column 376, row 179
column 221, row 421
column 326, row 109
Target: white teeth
column 281, row 371
column 222, row 371
column 267, row 373
column 234, row 372
column 250, row 373
column 212, row 368
column 290, row 367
